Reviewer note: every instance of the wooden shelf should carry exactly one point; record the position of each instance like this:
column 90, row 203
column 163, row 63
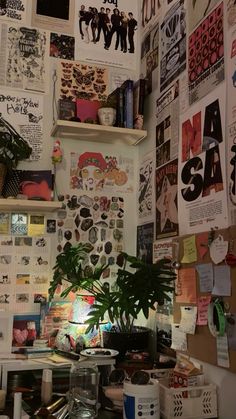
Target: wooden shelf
column 11, row 204
column 99, row 133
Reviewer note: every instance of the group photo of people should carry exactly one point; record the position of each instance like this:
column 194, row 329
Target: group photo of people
column 115, row 28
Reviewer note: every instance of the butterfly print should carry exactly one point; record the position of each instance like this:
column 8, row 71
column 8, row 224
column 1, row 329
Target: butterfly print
column 65, row 91
column 67, row 65
column 67, row 97
column 65, row 71
column 99, row 88
column 83, row 79
column 66, row 83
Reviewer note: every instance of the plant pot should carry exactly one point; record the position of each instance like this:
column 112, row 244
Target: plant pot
column 107, row 116
column 124, row 341
column 3, row 172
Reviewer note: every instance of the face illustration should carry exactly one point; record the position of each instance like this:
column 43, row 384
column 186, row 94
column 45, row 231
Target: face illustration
column 92, row 178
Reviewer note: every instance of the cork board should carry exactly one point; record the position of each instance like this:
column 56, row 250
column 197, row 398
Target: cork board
column 202, row 345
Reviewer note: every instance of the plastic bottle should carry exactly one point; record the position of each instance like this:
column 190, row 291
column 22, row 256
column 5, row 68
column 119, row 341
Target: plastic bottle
column 17, row 406
column 46, row 387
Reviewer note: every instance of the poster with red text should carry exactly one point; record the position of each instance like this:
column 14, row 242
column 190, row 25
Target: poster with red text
column 202, row 192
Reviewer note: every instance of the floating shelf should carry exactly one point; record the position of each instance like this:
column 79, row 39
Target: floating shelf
column 10, row 204
column 99, row 133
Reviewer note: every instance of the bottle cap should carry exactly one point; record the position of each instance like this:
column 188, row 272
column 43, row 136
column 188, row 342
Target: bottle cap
column 47, row 375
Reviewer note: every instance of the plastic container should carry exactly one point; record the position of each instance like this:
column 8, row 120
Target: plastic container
column 83, row 396
column 141, row 400
column 201, row 402
column 46, row 387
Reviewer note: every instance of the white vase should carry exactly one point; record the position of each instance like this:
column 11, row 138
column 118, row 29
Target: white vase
column 107, row 116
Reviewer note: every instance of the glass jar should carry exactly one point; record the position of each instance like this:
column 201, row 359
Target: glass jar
column 83, row 395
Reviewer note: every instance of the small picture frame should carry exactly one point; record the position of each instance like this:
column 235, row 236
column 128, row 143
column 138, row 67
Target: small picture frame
column 6, row 326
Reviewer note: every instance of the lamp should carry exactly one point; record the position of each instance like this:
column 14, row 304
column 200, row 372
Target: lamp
column 73, row 334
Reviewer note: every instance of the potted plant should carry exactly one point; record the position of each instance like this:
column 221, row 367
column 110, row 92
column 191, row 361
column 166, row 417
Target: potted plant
column 13, row 148
column 138, row 287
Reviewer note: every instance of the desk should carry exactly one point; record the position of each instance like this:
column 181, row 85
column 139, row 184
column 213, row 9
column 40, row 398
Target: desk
column 39, row 364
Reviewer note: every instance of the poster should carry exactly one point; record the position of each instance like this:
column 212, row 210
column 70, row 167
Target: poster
column 55, row 14
column 62, row 46
column 202, row 192
column 92, row 172
column 198, row 10
column 145, row 237
column 146, row 189
column 25, row 111
column 231, row 121
column 162, row 249
column 106, row 32
column 13, row 10
column 172, row 44
column 166, row 200
column 150, row 57
column 25, row 272
column 167, row 128
column 24, row 58
column 98, row 221
column 206, row 55
column 82, row 81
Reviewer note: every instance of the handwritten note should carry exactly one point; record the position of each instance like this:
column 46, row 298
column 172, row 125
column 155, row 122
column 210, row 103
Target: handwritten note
column 205, row 273
column 222, row 281
column 202, row 310
column 190, row 250
column 186, row 286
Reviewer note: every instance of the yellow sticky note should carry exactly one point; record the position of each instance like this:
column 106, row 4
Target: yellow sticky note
column 190, row 250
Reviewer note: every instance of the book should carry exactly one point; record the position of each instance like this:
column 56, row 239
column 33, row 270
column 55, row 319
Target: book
column 66, row 109
column 87, row 110
column 116, row 100
column 128, row 101
column 138, row 101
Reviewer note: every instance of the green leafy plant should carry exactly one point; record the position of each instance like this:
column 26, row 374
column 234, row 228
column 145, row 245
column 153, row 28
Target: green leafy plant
column 137, row 288
column 13, row 148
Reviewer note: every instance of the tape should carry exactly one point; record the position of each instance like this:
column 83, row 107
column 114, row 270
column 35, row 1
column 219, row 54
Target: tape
column 216, row 319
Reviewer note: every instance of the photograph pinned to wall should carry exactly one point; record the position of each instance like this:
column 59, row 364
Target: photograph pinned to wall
column 145, row 238
column 62, row 46
column 150, row 58
column 36, row 225
column 167, row 128
column 81, row 81
column 19, row 224
column 4, row 223
column 166, row 200
column 13, row 10
column 198, row 10
column 26, row 328
column 146, row 188
column 92, row 171
column 231, row 13
column 202, row 190
column 172, row 44
column 25, row 58
column 6, row 323
column 107, row 32
column 206, row 55
column 25, row 112
column 55, row 14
